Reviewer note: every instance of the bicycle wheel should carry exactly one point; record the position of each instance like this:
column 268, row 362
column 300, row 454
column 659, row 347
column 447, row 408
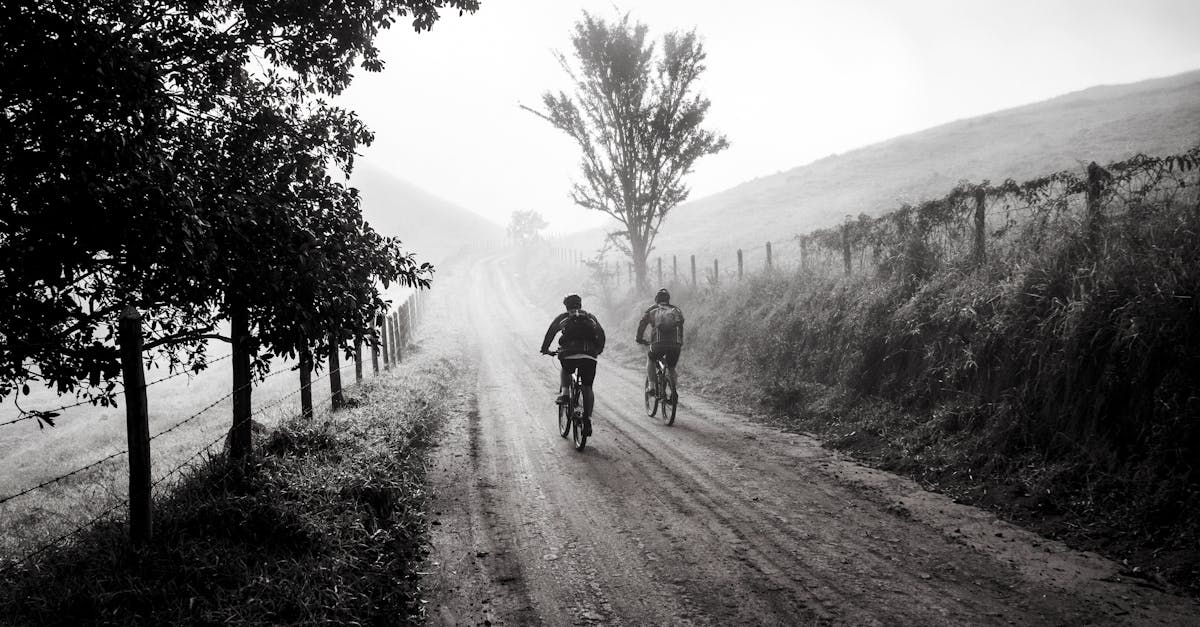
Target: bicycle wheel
column 670, row 401
column 578, row 435
column 564, row 420
column 651, row 399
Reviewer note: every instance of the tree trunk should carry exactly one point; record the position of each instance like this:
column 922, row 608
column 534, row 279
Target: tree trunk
column 639, row 252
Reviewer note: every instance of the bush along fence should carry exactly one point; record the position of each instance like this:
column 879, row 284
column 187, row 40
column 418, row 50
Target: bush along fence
column 392, row 337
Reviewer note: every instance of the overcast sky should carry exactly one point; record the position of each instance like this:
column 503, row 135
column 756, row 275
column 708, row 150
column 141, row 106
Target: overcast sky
column 790, row 81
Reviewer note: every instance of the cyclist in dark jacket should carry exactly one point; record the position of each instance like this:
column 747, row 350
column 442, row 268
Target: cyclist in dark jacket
column 666, row 337
column 581, row 343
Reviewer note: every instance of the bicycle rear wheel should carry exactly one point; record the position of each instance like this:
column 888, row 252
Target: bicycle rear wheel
column 651, row 399
column 564, row 420
column 578, row 434
column 670, row 401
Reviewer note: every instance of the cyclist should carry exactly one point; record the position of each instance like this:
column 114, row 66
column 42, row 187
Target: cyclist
column 666, row 338
column 581, row 343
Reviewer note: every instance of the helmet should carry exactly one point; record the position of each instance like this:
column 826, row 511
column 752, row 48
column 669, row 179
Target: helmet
column 663, row 296
column 572, row 301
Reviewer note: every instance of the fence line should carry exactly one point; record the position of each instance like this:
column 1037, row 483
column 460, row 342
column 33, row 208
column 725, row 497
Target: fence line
column 412, row 308
column 968, row 226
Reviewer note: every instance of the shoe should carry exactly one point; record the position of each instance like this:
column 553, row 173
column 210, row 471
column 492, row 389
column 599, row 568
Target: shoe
column 561, row 400
column 587, row 427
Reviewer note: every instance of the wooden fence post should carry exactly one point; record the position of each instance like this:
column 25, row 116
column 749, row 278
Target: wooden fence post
column 693, row 271
column 674, row 269
column 660, row 282
column 980, row 199
column 630, row 265
column 617, row 273
column 803, row 252
column 768, row 255
column 1096, row 178
column 357, row 357
column 335, row 371
column 137, row 424
column 399, row 333
column 385, row 340
column 846, row 246
column 241, row 433
column 375, row 349
column 306, row 366
column 739, row 264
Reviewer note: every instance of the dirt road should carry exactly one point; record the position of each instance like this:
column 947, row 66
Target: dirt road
column 713, row 521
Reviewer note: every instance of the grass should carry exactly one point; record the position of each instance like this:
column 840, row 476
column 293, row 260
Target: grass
column 82, row 435
column 328, row 526
column 1056, row 387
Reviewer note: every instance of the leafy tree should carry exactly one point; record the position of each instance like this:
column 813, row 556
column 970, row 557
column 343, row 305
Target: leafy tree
column 524, row 226
column 136, row 161
column 637, row 117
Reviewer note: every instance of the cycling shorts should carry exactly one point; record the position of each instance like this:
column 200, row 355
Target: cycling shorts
column 669, row 354
column 585, row 366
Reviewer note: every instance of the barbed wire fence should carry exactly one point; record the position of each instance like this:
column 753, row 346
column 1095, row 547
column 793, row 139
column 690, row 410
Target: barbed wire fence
column 970, row 225
column 394, row 336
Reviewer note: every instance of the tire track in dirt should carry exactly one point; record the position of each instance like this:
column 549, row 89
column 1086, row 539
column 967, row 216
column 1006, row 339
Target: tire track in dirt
column 715, row 520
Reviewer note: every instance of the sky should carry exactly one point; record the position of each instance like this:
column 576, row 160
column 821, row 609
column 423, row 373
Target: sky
column 790, row 81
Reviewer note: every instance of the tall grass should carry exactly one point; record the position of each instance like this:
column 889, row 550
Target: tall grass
column 1075, row 366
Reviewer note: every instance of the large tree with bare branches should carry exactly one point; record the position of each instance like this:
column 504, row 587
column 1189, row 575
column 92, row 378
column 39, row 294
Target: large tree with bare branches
column 637, row 116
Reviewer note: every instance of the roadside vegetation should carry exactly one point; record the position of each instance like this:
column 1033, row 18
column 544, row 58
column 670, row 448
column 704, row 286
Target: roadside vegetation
column 328, row 526
column 1054, row 383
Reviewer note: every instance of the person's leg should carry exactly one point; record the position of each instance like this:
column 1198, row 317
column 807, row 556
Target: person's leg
column 587, row 376
column 650, row 374
column 672, row 358
column 564, row 382
column 588, row 399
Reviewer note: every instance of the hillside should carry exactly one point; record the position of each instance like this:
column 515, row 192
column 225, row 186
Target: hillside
column 431, row 227
column 1103, row 123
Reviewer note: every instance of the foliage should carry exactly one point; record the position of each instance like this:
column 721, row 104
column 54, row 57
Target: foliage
column 637, row 117
column 137, row 164
column 525, row 227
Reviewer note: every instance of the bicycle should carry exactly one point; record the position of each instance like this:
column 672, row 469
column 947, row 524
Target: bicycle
column 663, row 395
column 570, row 416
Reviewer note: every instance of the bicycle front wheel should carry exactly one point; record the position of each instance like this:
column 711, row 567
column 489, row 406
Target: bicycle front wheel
column 564, row 420
column 651, row 398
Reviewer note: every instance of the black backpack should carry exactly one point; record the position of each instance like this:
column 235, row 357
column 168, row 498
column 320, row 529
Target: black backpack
column 578, row 332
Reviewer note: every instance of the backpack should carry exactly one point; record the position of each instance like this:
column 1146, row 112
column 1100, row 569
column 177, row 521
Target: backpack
column 668, row 325
column 578, row 332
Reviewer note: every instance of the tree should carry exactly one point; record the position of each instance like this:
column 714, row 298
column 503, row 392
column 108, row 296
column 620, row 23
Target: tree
column 637, row 117
column 137, row 158
column 524, row 226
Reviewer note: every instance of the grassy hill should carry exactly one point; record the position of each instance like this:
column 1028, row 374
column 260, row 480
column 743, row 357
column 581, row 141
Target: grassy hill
column 1099, row 124
column 431, row 227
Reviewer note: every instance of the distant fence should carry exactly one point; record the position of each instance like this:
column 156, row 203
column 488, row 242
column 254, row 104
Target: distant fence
column 392, row 338
column 970, row 225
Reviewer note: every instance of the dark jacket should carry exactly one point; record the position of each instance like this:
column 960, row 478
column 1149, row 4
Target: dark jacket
column 648, row 321
column 594, row 349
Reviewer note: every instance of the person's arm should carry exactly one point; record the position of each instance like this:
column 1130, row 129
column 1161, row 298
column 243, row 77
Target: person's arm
column 599, row 336
column 681, row 321
column 645, row 321
column 551, row 332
